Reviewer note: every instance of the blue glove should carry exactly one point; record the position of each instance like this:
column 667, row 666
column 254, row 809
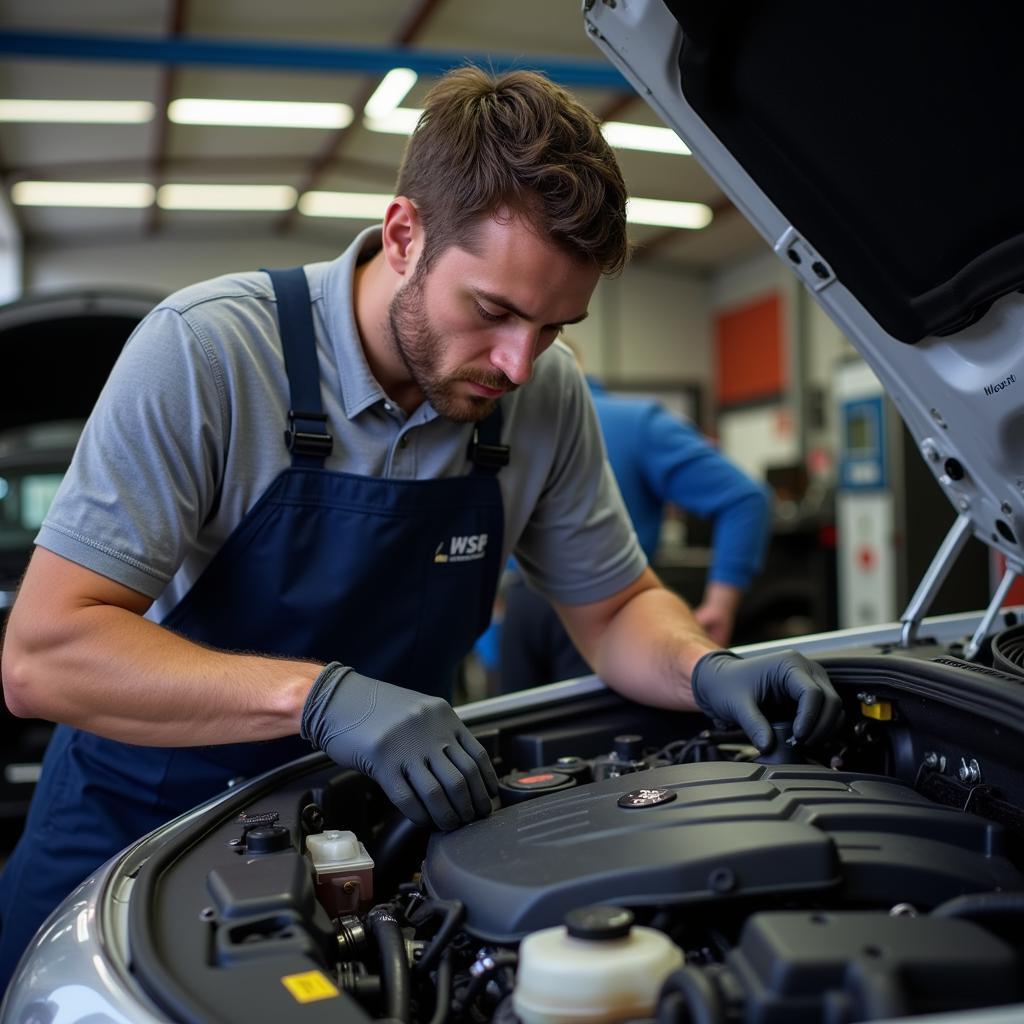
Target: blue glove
column 412, row 745
column 733, row 691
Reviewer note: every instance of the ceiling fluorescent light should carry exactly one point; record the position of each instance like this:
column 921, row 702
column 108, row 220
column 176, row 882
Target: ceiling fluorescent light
column 77, row 111
column 353, row 205
column 394, row 87
column 226, row 197
column 647, row 137
column 119, row 194
column 650, row 138
column 260, row 113
column 401, row 121
column 667, row 214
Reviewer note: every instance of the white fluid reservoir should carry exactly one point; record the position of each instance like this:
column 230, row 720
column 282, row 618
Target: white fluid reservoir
column 598, row 968
column 342, row 871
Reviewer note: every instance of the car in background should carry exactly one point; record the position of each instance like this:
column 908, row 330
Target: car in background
column 33, row 460
column 57, row 351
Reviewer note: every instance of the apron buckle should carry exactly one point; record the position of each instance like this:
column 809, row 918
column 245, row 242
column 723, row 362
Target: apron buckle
column 302, row 438
column 487, row 456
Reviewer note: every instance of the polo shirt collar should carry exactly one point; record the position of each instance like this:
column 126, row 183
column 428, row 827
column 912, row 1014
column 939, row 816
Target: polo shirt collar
column 358, row 387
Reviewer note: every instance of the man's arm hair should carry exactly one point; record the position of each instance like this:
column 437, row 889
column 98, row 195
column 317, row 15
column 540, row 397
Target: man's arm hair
column 78, row 651
column 642, row 641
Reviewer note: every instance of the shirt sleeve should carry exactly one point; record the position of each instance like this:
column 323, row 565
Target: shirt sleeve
column 146, row 471
column 579, row 544
column 682, row 466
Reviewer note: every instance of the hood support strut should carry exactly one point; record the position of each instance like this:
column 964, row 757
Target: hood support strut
column 935, row 576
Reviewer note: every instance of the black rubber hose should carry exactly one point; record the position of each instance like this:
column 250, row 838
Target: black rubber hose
column 482, row 974
column 397, row 851
column 692, row 992
column 454, row 913
column 982, row 906
column 394, row 964
column 672, row 1009
column 442, row 1007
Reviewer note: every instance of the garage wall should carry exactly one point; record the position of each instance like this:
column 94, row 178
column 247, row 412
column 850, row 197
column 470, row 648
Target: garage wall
column 827, row 347
column 165, row 264
column 764, row 434
column 813, row 346
column 650, row 324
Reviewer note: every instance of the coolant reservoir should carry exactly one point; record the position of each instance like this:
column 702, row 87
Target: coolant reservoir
column 599, row 968
column 342, row 871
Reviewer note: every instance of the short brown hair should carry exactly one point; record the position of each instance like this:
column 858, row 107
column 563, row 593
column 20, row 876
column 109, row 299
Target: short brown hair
column 519, row 141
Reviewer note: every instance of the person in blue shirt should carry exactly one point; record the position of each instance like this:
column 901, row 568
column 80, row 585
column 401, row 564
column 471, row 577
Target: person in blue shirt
column 657, row 458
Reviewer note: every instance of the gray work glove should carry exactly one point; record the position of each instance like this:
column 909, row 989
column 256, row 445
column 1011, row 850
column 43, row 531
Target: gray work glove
column 412, row 745
column 733, row 691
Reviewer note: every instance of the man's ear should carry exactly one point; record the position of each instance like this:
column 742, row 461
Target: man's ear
column 402, row 236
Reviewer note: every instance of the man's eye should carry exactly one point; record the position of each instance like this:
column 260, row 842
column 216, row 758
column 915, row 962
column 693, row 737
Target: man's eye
column 491, row 317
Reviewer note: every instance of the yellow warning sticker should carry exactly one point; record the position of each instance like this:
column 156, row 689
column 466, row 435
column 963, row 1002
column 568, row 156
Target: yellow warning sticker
column 309, row 986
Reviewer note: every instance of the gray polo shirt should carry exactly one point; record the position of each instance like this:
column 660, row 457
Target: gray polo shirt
column 188, row 433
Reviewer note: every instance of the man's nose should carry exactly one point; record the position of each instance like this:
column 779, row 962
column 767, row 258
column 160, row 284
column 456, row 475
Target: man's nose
column 515, row 353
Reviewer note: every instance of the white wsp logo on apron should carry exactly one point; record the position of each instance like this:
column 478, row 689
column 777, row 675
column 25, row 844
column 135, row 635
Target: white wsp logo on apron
column 466, row 548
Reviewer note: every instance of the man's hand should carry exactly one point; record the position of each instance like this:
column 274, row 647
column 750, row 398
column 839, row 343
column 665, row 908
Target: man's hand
column 716, row 613
column 733, row 691
column 414, row 746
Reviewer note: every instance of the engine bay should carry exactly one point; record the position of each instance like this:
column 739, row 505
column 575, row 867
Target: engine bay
column 640, row 866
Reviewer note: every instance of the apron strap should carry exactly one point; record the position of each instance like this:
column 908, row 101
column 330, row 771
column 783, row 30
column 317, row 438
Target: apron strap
column 306, row 435
column 486, row 451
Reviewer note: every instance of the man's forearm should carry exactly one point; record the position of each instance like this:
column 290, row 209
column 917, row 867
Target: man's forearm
column 649, row 647
column 106, row 669
column 644, row 642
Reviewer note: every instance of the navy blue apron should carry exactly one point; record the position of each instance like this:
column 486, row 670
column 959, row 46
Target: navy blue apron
column 394, row 577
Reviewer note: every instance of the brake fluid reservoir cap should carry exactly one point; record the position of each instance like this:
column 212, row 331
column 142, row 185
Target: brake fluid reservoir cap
column 599, row 923
column 333, row 846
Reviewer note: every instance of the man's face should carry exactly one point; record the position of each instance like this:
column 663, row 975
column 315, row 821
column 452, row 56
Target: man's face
column 470, row 329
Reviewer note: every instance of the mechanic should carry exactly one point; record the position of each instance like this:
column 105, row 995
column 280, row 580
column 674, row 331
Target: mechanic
column 657, row 458
column 334, row 462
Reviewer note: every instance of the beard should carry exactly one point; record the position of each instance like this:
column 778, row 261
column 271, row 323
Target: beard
column 421, row 348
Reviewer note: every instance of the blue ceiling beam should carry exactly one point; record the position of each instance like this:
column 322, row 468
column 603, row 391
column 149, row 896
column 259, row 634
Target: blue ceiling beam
column 181, row 51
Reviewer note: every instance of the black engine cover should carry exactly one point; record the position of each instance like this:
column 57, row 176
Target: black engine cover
column 713, row 831
column 794, row 967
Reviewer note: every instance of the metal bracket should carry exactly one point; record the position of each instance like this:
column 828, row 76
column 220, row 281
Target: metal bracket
column 934, row 577
column 804, row 260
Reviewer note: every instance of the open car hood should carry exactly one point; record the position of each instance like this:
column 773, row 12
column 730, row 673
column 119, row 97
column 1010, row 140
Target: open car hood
column 877, row 149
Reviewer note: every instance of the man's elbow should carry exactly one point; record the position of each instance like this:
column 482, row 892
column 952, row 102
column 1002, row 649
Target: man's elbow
column 16, row 692
column 19, row 678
